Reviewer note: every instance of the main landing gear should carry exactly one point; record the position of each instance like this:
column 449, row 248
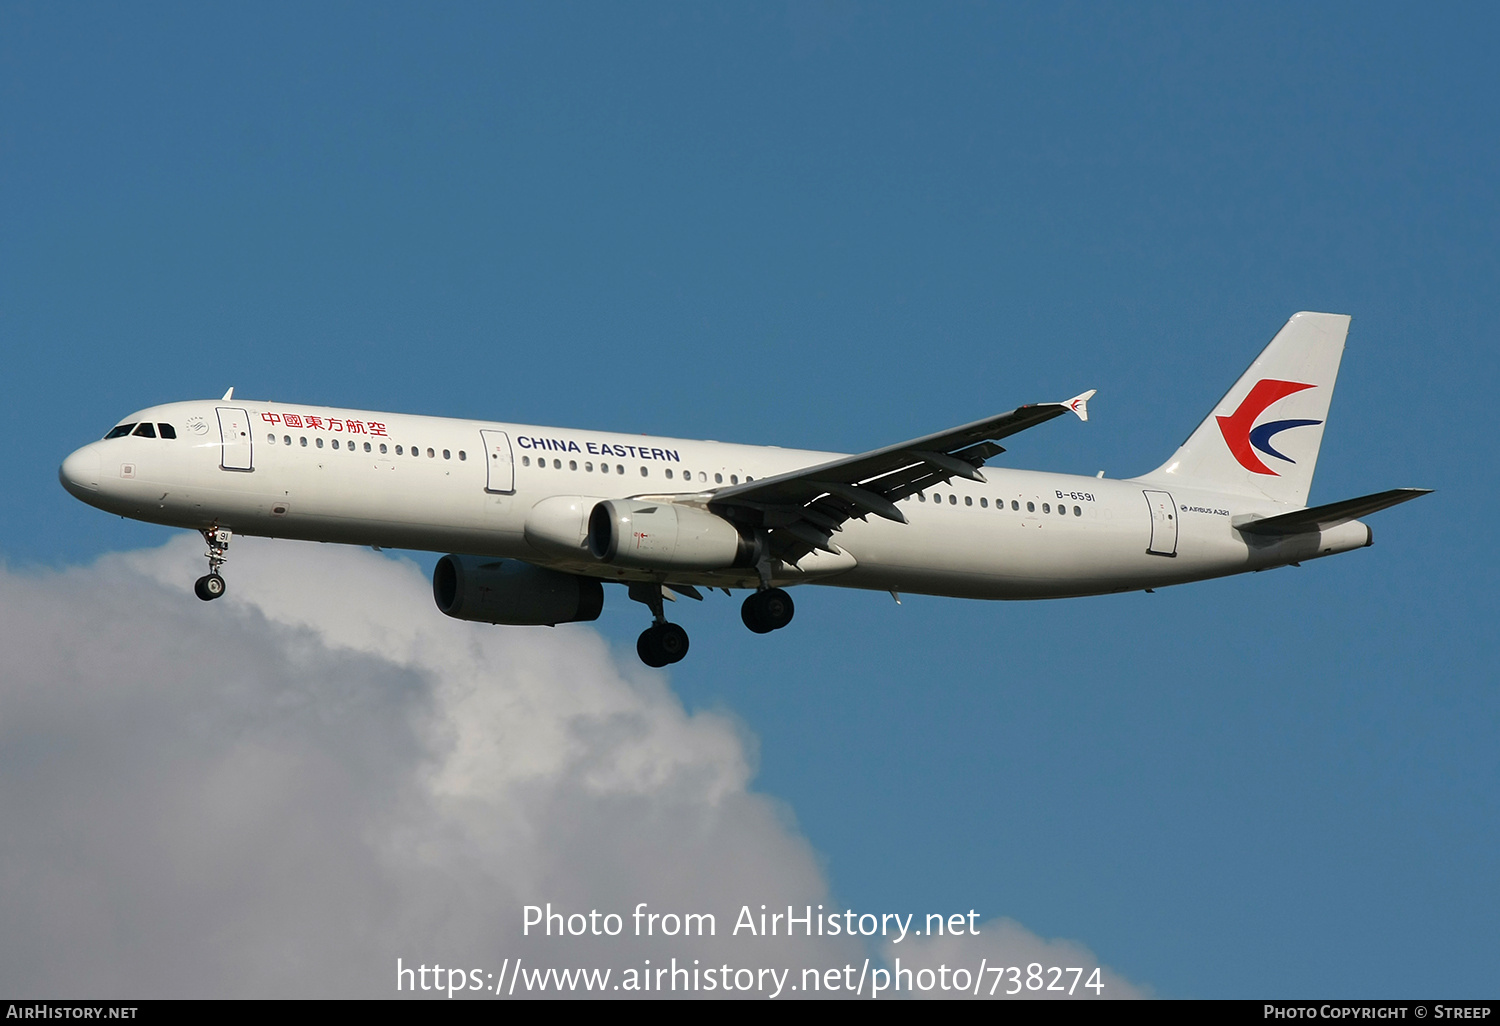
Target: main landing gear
column 767, row 610
column 211, row 585
column 662, row 643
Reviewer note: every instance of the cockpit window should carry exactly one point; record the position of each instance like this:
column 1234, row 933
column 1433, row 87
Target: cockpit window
column 145, row 431
column 120, row 432
column 167, row 430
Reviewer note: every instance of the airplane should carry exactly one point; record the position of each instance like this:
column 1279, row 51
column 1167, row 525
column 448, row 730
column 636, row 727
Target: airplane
column 535, row 520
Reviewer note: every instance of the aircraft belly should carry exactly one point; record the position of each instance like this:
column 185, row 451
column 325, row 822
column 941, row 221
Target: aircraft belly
column 354, row 500
column 1001, row 557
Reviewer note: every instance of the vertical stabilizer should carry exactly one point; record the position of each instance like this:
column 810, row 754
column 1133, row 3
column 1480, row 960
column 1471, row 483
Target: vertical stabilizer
column 1262, row 438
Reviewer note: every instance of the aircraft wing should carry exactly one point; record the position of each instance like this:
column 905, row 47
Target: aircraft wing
column 1320, row 518
column 804, row 508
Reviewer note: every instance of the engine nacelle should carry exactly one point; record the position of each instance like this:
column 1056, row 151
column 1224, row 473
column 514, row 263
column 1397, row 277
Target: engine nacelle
column 665, row 536
column 560, row 524
column 512, row 592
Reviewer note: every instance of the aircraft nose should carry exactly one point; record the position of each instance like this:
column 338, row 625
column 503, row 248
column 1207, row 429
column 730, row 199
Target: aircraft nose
column 79, row 473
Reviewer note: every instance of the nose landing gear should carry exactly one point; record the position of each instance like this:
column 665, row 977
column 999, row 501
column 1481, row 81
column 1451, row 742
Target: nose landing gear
column 662, row 643
column 768, row 610
column 211, row 585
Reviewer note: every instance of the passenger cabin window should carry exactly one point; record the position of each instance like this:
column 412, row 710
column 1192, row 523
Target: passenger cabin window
column 320, row 442
column 120, row 432
column 145, row 431
column 447, row 455
column 167, row 430
column 286, row 439
column 400, row 451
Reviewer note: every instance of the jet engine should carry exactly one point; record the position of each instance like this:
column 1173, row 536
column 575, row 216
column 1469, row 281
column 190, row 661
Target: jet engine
column 665, row 536
column 512, row 592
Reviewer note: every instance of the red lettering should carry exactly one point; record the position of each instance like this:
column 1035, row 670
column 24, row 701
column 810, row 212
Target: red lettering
column 293, row 420
column 334, row 424
column 377, row 428
column 356, row 427
column 271, row 418
column 314, row 422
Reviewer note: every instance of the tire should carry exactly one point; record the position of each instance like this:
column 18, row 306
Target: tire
column 673, row 641
column 209, row 587
column 754, row 615
column 648, row 646
column 777, row 608
column 767, row 611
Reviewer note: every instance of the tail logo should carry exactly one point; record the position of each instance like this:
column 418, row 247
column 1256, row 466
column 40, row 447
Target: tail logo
column 1243, row 436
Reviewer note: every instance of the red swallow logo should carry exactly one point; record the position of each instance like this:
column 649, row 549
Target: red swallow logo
column 1243, row 437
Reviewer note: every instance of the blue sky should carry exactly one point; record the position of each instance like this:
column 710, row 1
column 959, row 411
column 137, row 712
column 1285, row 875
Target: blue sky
column 835, row 226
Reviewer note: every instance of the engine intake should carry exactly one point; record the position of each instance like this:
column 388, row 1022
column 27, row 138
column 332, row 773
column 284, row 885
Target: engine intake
column 665, row 536
column 512, row 592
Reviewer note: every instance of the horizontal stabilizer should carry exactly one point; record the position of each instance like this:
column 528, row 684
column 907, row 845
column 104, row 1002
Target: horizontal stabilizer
column 1321, row 518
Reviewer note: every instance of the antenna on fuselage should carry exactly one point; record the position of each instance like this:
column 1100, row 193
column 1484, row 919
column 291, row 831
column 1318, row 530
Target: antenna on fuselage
column 228, row 395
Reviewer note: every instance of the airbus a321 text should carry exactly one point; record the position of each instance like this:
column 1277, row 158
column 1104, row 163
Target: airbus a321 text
column 537, row 520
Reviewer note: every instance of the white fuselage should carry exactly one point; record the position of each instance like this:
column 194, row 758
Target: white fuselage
column 438, row 484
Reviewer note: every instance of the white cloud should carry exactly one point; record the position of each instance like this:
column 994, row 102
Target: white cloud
column 282, row 792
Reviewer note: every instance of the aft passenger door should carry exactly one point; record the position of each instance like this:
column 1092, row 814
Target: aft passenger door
column 1163, row 524
column 234, row 433
column 499, row 464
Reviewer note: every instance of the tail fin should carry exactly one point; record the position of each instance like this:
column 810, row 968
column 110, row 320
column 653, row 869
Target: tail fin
column 1263, row 436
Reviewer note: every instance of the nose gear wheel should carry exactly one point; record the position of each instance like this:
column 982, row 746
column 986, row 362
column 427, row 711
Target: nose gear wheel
column 211, row 585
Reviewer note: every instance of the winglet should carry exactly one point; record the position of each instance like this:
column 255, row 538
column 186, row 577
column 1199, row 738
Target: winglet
column 228, row 395
column 1079, row 404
